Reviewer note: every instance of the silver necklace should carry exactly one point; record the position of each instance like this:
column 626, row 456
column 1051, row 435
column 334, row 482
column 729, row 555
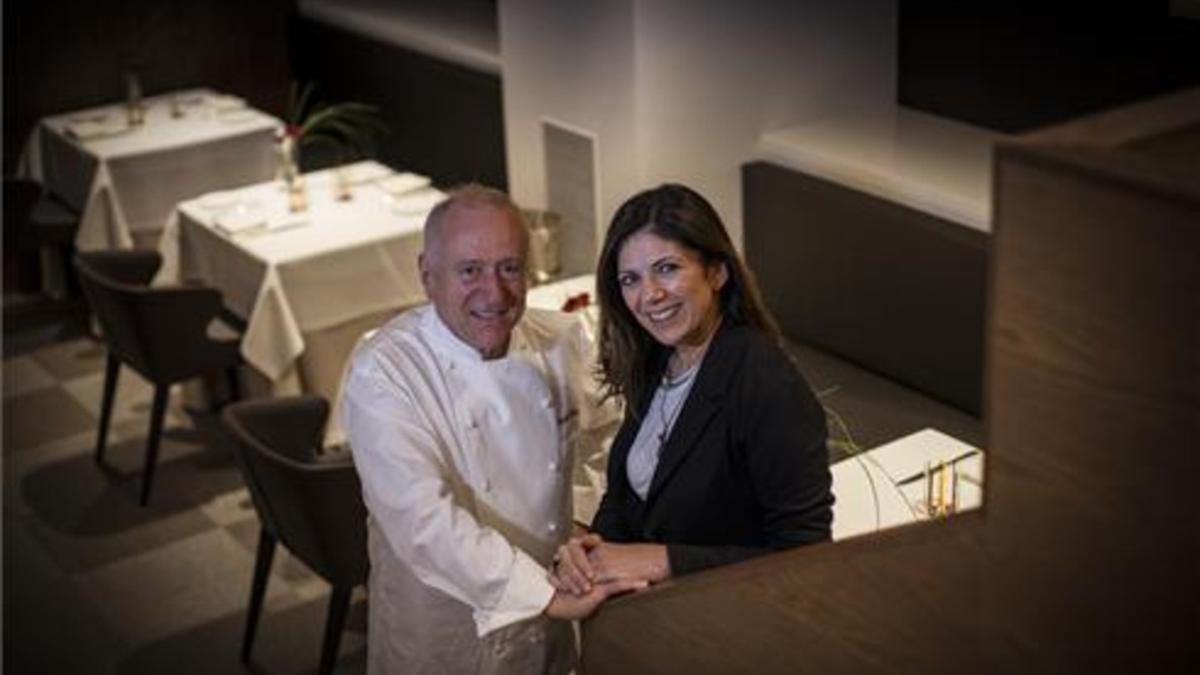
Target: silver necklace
column 668, row 421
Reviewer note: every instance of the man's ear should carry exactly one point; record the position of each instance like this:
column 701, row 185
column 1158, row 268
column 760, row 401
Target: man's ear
column 423, row 268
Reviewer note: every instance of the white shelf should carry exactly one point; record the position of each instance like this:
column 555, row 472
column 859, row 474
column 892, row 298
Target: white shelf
column 927, row 163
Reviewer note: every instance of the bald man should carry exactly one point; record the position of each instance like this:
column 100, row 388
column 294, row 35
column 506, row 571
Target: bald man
column 466, row 418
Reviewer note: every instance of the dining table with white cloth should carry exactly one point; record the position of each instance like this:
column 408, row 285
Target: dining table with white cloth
column 296, row 278
column 891, row 485
column 125, row 179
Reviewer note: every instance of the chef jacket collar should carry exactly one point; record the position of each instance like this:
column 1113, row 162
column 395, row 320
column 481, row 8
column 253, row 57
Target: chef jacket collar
column 454, row 346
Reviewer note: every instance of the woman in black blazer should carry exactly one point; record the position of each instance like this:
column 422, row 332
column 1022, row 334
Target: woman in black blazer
column 722, row 455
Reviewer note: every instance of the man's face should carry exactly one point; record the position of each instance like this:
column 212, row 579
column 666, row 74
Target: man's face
column 475, row 275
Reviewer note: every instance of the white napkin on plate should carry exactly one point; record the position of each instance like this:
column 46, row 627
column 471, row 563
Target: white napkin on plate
column 240, row 220
column 403, row 182
column 417, row 203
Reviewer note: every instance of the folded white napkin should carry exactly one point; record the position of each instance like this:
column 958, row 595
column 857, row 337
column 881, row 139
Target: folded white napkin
column 240, row 220
column 288, row 221
column 90, row 129
column 237, row 115
column 417, row 203
column 225, row 103
column 403, row 182
column 365, row 172
column 219, row 200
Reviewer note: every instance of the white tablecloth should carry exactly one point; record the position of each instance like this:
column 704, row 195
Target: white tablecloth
column 296, row 274
column 126, row 180
column 555, row 294
column 885, row 487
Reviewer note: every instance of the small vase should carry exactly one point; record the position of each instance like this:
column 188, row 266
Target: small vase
column 289, row 172
column 134, row 108
column 341, row 184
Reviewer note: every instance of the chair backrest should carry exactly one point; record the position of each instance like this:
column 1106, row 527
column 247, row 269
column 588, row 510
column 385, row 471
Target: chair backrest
column 160, row 332
column 109, row 280
column 311, row 504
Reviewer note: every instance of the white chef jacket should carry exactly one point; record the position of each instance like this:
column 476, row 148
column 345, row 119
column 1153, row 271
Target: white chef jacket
column 466, row 469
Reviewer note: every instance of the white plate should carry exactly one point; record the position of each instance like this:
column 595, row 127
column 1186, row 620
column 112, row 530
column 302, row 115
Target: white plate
column 402, row 183
column 364, row 173
column 215, row 201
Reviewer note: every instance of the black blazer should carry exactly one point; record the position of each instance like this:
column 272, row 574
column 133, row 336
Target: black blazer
column 745, row 470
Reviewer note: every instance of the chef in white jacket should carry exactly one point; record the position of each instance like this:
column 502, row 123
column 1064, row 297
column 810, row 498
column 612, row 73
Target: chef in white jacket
column 466, row 418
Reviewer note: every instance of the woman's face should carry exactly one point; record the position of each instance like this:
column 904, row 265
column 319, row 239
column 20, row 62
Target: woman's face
column 673, row 295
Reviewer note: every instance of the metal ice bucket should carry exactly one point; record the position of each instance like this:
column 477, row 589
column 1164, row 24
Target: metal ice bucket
column 544, row 238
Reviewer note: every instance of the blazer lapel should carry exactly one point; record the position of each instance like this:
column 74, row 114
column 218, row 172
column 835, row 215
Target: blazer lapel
column 720, row 363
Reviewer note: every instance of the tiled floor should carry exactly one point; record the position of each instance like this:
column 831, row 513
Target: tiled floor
column 94, row 583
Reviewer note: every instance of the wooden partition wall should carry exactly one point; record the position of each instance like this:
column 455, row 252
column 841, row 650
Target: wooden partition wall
column 1086, row 554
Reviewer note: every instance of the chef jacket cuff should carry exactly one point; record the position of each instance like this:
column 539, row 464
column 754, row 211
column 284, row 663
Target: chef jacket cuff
column 526, row 595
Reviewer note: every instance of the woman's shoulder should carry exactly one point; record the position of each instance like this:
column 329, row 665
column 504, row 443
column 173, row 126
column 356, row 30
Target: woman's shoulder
column 760, row 351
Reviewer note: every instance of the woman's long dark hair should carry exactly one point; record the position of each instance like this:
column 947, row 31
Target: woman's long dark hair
column 630, row 356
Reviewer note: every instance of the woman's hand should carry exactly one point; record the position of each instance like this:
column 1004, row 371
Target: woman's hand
column 564, row 605
column 571, row 571
column 628, row 562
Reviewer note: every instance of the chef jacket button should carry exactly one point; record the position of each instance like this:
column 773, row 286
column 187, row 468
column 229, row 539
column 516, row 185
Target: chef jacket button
column 546, row 402
column 553, row 527
column 554, row 466
column 471, row 423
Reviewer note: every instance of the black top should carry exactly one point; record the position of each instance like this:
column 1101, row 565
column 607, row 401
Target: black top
column 745, row 470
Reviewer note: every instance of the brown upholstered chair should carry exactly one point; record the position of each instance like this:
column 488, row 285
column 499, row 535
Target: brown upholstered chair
column 309, row 501
column 162, row 333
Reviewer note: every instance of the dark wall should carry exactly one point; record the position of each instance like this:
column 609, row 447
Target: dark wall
column 61, row 55
column 1013, row 66
column 446, row 121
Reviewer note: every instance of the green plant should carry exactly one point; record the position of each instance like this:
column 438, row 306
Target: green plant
column 350, row 127
column 840, row 438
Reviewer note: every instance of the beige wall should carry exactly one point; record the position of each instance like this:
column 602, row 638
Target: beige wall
column 681, row 91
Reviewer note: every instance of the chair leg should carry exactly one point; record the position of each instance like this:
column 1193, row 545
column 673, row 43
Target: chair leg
column 112, row 369
column 157, row 412
column 231, row 378
column 335, row 622
column 258, row 588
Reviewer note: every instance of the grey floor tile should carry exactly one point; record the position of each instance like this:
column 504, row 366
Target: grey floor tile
column 286, row 567
column 288, row 643
column 18, row 464
column 42, row 416
column 50, row 626
column 132, row 403
column 89, row 516
column 230, row 508
column 173, row 588
column 23, row 374
column 73, row 358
